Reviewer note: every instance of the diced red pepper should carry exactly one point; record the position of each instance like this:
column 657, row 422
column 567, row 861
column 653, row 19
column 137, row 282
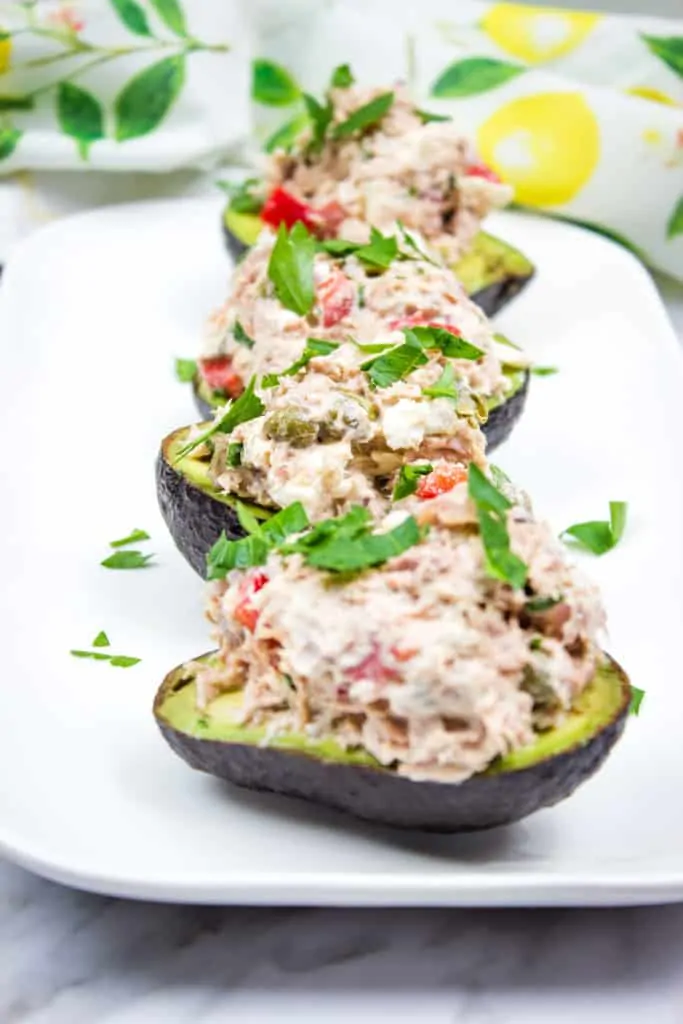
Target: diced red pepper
column 442, row 479
column 245, row 613
column 482, row 171
column 336, row 295
column 220, row 376
column 281, row 207
column 372, row 667
column 419, row 320
column 332, row 215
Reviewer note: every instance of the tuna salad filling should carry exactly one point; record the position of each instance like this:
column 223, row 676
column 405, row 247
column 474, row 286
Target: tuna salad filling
column 371, row 157
column 256, row 333
column 439, row 641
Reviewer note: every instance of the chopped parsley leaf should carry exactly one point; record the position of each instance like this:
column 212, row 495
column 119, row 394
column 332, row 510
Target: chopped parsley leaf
column 395, row 363
column 241, row 336
column 234, row 456
column 409, row 478
column 445, row 386
column 492, row 507
column 101, row 640
column 314, row 347
column 127, row 560
column 320, row 117
column 241, row 193
column 133, row 538
column 452, row 345
column 290, row 268
column 342, row 77
column 185, row 370
column 544, row 371
column 262, row 537
column 247, row 407
column 426, row 116
column 598, row 536
column 637, row 697
column 364, row 117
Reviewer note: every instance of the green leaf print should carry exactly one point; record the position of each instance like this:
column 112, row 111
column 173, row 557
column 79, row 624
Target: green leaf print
column 146, row 99
column 286, row 134
column 16, row 102
column 272, row 85
column 172, row 14
column 474, row 75
column 669, row 49
column 675, row 224
column 9, row 137
column 132, row 16
column 80, row 115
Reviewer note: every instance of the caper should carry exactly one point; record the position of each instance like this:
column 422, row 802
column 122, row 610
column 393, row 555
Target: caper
column 288, row 425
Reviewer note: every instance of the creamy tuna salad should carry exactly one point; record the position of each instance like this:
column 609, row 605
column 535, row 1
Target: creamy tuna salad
column 255, row 332
column 446, row 637
column 369, row 156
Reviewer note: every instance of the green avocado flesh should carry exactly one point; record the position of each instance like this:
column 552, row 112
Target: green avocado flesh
column 196, row 471
column 492, row 271
column 595, row 708
column 322, row 772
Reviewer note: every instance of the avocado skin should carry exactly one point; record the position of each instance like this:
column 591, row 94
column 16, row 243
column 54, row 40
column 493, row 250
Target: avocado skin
column 491, row 299
column 380, row 796
column 194, row 518
column 497, row 428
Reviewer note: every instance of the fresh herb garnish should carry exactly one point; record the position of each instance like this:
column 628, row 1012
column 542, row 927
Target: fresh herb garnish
column 426, row 116
column 133, row 538
column 541, row 604
column 101, row 640
column 290, row 268
column 347, row 544
column 342, row 77
column 246, row 518
column 598, row 536
column 364, row 117
column 492, row 507
column 543, row 371
column 234, row 455
column 241, row 336
column 117, row 660
column 247, row 407
column 637, row 697
column 452, row 345
column 320, row 117
column 123, row 661
column 314, row 347
column 262, row 537
column 395, row 363
column 242, row 199
column 408, row 480
column 380, row 251
column 185, row 370
column 127, row 560
column 414, row 250
column 445, row 386
column 536, row 643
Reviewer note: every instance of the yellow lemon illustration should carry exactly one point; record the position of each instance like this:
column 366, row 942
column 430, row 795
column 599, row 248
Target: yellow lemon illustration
column 5, row 52
column 546, row 146
column 537, row 34
column 647, row 93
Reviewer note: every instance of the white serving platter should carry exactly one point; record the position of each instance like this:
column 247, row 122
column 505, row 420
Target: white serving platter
column 93, row 311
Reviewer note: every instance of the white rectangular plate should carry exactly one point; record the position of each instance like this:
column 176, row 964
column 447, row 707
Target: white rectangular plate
column 92, row 312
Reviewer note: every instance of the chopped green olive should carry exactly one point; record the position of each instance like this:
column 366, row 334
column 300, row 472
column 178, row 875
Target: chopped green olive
column 289, row 425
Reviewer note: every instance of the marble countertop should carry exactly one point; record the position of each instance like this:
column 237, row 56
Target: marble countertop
column 72, row 958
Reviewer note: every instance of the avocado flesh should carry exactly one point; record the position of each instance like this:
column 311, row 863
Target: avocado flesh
column 492, row 271
column 321, row 771
column 195, row 512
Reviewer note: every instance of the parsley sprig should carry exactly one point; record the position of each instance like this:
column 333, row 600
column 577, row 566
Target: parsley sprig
column 243, row 195
column 116, row 660
column 345, row 544
column 314, row 347
column 247, row 407
column 290, row 268
column 185, row 370
column 409, row 479
column 599, row 536
column 367, row 116
column 492, row 507
column 393, row 364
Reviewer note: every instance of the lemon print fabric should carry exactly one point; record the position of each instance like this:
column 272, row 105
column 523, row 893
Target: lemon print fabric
column 537, row 34
column 5, row 51
column 546, row 145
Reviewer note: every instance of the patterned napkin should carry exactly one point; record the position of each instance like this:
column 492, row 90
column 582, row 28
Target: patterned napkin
column 582, row 112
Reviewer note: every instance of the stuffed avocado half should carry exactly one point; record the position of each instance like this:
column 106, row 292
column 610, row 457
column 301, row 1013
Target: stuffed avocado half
column 371, row 158
column 492, row 271
column 441, row 670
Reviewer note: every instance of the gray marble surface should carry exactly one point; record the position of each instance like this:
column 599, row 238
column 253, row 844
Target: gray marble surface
column 73, row 958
